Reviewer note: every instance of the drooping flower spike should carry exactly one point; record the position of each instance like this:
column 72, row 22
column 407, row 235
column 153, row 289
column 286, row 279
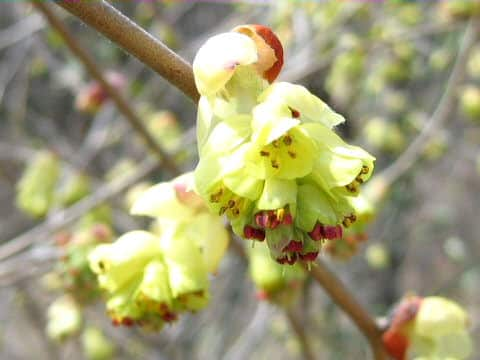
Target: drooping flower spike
column 152, row 277
column 270, row 160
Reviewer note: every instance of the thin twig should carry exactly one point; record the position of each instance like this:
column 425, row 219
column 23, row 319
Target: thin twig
column 134, row 40
column 299, row 331
column 67, row 216
column 23, row 29
column 345, row 299
column 442, row 112
column 96, row 73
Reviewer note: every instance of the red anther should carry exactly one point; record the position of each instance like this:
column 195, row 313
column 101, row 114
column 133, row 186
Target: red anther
column 267, row 219
column 318, row 232
column 251, row 233
column 311, row 256
column 333, row 232
column 273, row 222
column 261, row 219
column 293, row 246
column 295, row 113
column 287, row 219
column 115, row 322
column 169, row 317
column 339, row 231
column 127, row 321
column 262, row 295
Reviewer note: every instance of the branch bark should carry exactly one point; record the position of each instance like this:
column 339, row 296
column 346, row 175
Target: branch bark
column 96, row 73
column 299, row 331
column 344, row 298
column 134, row 40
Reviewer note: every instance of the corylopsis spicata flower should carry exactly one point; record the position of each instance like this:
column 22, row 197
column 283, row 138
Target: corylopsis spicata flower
column 151, row 277
column 270, row 160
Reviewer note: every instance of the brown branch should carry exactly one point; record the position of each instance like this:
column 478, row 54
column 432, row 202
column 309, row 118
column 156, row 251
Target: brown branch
column 96, row 73
column 299, row 331
column 134, row 40
column 345, row 299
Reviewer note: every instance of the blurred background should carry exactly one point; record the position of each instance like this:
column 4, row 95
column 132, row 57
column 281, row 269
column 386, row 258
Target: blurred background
column 405, row 74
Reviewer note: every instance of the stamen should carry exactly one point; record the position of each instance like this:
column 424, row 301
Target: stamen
column 280, row 214
column 318, row 232
column 292, row 154
column 311, row 256
column 231, row 203
column 365, row 169
column 347, row 222
column 287, row 140
column 222, row 210
column 275, row 164
column 275, row 143
column 251, row 233
column 288, row 219
column 235, row 212
column 264, row 153
column 293, row 246
column 333, row 232
column 295, row 113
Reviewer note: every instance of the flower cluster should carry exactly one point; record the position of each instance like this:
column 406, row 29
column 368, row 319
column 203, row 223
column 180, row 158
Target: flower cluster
column 269, row 158
column 428, row 328
column 151, row 277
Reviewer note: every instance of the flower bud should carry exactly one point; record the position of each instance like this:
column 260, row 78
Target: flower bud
column 430, row 327
column 77, row 187
column 96, row 346
column 470, row 102
column 92, row 96
column 35, row 189
column 223, row 55
column 269, row 49
column 64, row 319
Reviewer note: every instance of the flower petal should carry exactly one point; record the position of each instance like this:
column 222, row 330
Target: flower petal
column 298, row 98
column 217, row 59
column 277, row 193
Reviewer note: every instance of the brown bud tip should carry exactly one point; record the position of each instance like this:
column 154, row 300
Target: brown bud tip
column 269, row 48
